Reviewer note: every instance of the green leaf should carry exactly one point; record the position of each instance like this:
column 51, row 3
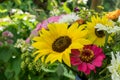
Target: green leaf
column 65, row 7
column 68, row 73
column 50, row 5
column 47, row 69
column 18, row 2
column 9, row 72
column 5, row 53
column 60, row 70
column 13, row 69
column 2, row 9
column 16, row 67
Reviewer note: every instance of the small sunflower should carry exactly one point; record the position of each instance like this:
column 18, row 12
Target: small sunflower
column 55, row 44
column 95, row 36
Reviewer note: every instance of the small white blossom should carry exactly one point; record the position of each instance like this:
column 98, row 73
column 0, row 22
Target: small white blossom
column 13, row 10
column 32, row 20
column 114, row 68
column 109, row 29
column 85, row 1
column 13, row 57
column 25, row 18
column 55, row 12
column 69, row 18
column 1, row 28
column 118, row 19
column 18, row 11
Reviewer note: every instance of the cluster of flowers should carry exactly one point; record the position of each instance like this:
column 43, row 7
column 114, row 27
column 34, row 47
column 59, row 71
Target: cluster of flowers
column 77, row 43
column 23, row 15
column 6, row 38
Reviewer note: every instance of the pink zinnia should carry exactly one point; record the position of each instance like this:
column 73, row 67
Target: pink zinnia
column 88, row 58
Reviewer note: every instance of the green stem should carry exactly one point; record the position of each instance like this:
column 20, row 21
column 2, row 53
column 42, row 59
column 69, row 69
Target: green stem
column 71, row 69
column 80, row 74
column 106, row 39
column 102, row 71
column 105, row 77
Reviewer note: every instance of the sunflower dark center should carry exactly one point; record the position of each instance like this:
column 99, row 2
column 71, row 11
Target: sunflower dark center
column 100, row 33
column 61, row 43
column 86, row 55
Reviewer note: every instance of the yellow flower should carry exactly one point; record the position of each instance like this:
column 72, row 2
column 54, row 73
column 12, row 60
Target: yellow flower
column 55, row 44
column 95, row 36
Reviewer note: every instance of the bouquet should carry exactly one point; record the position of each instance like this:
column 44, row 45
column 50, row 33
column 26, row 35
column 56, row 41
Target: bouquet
column 87, row 43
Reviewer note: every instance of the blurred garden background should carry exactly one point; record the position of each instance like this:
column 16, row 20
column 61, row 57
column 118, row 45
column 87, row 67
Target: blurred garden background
column 18, row 18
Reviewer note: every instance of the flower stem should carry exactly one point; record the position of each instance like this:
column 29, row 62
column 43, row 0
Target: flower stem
column 82, row 76
column 71, row 68
column 106, row 39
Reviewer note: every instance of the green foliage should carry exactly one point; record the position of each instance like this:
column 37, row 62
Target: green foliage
column 20, row 17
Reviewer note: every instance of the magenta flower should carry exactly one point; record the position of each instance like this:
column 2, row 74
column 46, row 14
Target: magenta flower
column 88, row 58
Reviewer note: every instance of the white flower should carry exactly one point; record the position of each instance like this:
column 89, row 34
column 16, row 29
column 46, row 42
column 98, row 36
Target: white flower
column 1, row 28
column 55, row 12
column 25, row 18
column 28, row 16
column 109, row 29
column 115, row 66
column 69, row 18
column 118, row 19
column 85, row 1
column 13, row 10
column 13, row 57
column 18, row 11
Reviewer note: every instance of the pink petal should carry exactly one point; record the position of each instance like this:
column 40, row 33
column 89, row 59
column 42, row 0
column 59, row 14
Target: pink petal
column 82, row 67
column 87, row 71
column 97, row 63
column 75, row 61
column 90, row 66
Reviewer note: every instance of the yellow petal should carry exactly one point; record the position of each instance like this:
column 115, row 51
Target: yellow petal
column 40, row 55
column 37, row 39
column 43, row 58
column 74, row 26
column 36, row 52
column 50, row 57
column 76, row 45
column 84, row 41
column 66, row 59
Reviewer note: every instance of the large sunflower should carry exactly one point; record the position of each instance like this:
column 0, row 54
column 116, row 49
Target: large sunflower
column 55, row 44
column 95, row 36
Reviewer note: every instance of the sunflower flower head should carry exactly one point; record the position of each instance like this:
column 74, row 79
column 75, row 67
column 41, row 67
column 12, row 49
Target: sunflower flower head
column 98, row 36
column 55, row 44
